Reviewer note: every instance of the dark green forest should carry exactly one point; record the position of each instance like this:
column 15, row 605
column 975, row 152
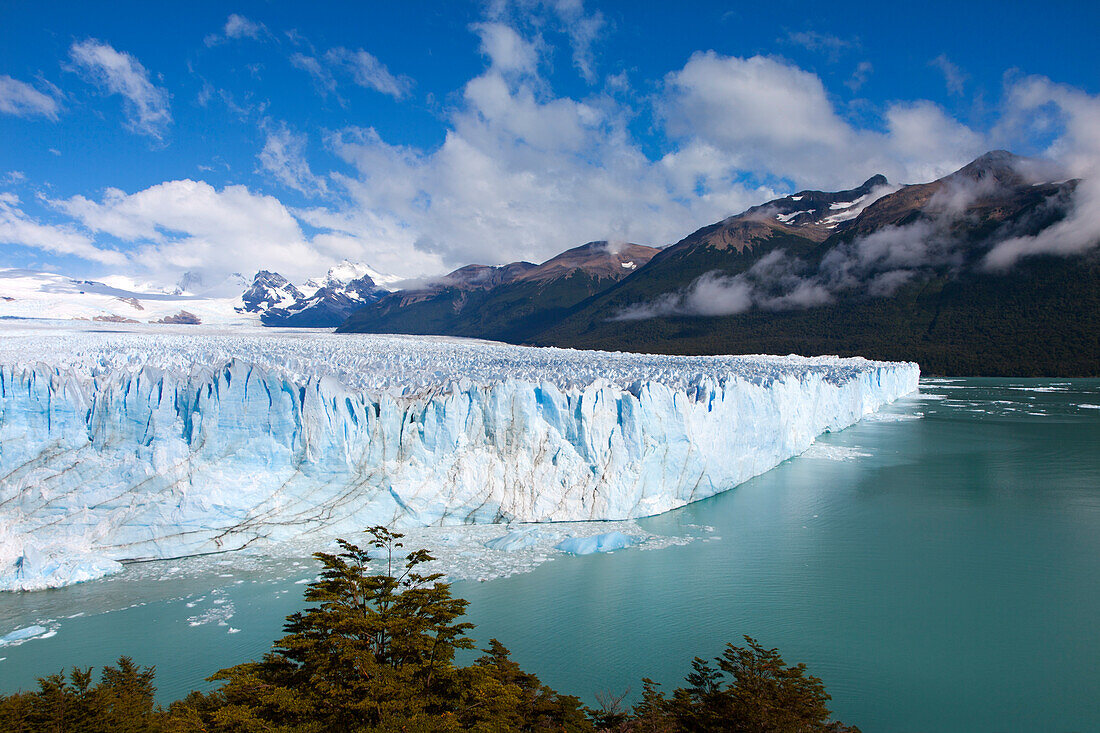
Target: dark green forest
column 375, row 651
column 1042, row 319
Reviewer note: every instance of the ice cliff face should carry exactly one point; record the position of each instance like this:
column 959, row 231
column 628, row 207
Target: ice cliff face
column 145, row 444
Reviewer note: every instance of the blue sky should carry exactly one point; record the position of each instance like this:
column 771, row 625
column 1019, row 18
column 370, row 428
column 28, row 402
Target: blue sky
column 150, row 140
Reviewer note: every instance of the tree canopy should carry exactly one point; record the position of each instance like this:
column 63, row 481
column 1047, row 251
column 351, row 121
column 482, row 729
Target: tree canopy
column 374, row 652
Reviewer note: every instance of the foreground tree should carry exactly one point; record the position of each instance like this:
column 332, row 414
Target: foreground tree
column 121, row 702
column 751, row 690
column 376, row 653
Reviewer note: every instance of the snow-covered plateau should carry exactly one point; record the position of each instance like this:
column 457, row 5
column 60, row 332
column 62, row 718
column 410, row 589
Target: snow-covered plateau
column 139, row 442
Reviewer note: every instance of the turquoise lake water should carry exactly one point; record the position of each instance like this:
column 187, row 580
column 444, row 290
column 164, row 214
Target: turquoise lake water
column 938, row 566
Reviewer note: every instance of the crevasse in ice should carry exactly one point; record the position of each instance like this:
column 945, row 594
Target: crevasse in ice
column 144, row 444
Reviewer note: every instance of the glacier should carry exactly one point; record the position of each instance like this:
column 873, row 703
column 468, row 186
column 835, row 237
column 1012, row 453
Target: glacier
column 141, row 443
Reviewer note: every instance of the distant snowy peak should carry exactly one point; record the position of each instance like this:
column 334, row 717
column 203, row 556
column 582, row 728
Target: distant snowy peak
column 319, row 303
column 270, row 290
column 193, row 283
column 348, row 271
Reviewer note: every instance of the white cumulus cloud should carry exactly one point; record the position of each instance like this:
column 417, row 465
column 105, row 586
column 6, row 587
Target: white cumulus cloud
column 768, row 116
column 187, row 225
column 16, row 227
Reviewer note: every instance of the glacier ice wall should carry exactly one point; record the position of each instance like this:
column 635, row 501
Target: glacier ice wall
column 142, row 444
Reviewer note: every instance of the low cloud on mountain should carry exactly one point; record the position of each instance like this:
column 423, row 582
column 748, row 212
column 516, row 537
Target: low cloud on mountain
column 1039, row 101
column 878, row 263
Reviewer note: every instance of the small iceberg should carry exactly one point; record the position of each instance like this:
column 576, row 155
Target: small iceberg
column 596, row 543
column 515, row 540
column 24, row 634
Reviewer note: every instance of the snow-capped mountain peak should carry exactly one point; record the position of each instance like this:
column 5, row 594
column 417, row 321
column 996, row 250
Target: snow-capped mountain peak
column 270, row 290
column 348, row 271
column 319, row 303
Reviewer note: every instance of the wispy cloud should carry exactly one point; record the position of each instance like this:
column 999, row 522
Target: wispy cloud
column 364, row 67
column 582, row 27
column 322, row 77
column 819, row 42
column 237, row 27
column 117, row 72
column 953, row 76
column 860, row 76
column 22, row 100
column 367, row 71
column 283, row 156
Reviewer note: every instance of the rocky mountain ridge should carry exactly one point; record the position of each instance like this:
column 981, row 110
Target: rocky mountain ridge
column 320, row 303
column 505, row 301
column 878, row 270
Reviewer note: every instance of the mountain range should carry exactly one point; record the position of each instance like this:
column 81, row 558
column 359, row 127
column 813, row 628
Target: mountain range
column 881, row 271
column 324, row 303
column 922, row 272
column 268, row 298
column 506, row 303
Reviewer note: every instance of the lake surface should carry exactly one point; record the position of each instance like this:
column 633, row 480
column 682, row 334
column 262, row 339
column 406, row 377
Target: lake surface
column 938, row 566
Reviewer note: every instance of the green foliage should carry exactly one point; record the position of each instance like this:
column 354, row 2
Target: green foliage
column 374, row 653
column 121, row 702
column 373, row 647
column 750, row 691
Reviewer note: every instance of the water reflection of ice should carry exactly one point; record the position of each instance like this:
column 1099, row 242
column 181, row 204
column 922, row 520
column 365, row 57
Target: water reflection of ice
column 200, row 584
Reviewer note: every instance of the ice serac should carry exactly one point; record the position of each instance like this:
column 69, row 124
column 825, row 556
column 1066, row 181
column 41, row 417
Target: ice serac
column 140, row 444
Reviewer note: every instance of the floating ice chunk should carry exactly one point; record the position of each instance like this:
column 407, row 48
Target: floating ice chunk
column 894, row 416
column 219, row 615
column 515, row 540
column 834, row 452
column 597, row 543
column 25, row 634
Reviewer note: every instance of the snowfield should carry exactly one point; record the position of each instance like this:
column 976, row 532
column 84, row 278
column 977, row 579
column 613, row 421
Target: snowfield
column 132, row 442
column 35, row 295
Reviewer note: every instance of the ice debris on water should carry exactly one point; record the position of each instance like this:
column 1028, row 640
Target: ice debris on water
column 515, row 540
column 136, row 445
column 608, row 542
column 26, row 633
